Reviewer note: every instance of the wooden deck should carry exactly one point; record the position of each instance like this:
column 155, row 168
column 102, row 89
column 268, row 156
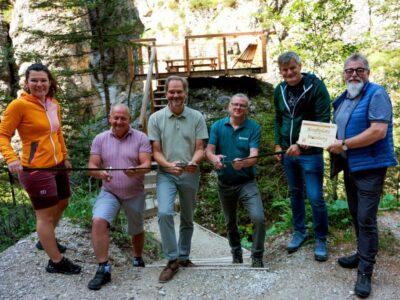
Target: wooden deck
column 199, row 56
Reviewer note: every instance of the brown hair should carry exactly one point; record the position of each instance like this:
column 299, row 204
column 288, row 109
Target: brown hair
column 40, row 67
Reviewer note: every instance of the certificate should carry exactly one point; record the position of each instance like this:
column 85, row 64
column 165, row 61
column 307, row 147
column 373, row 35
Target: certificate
column 317, row 134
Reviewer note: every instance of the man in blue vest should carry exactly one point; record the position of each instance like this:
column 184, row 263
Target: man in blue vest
column 364, row 150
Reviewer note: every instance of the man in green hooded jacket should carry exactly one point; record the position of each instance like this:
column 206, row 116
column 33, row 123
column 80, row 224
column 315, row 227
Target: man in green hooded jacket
column 302, row 96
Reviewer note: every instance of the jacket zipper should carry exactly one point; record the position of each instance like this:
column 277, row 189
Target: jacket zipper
column 294, row 108
column 51, row 130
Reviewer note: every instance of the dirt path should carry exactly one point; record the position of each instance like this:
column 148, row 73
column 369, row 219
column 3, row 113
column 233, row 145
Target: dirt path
column 295, row 276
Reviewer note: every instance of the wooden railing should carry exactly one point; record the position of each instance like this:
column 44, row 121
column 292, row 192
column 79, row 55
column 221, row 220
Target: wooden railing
column 212, row 53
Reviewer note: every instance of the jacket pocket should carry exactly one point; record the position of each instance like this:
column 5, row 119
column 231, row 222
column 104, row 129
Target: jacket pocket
column 34, row 146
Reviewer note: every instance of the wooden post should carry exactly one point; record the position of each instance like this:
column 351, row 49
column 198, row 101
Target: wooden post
column 187, row 57
column 225, row 56
column 156, row 60
column 131, row 68
column 264, row 52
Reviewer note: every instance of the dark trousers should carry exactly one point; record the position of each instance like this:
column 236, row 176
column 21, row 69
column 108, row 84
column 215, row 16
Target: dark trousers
column 249, row 195
column 364, row 189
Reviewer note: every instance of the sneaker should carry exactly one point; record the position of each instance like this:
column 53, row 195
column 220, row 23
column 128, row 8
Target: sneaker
column 297, row 240
column 257, row 262
column 363, row 285
column 349, row 262
column 237, row 257
column 65, row 266
column 138, row 262
column 187, row 263
column 103, row 275
column 320, row 250
column 169, row 271
column 60, row 247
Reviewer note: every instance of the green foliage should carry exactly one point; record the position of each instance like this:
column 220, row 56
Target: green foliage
column 174, row 29
column 230, row 3
column 208, row 211
column 389, row 201
column 173, row 4
column 281, row 216
column 338, row 213
column 17, row 220
column 313, row 29
column 7, row 11
column 80, row 206
column 202, row 4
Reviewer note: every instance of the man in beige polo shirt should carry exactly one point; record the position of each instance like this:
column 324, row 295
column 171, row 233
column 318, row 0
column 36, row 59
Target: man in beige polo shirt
column 177, row 133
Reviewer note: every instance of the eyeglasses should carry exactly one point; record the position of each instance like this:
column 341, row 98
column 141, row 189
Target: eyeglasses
column 359, row 71
column 239, row 105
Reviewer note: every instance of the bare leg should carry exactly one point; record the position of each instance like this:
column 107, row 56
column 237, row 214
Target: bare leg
column 138, row 244
column 45, row 231
column 100, row 239
column 61, row 206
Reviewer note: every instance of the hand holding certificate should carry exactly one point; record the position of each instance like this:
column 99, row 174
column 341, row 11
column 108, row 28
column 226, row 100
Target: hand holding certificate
column 317, row 134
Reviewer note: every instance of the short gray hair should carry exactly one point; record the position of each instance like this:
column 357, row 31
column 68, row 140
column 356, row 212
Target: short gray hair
column 241, row 96
column 123, row 105
column 357, row 57
column 286, row 57
column 177, row 78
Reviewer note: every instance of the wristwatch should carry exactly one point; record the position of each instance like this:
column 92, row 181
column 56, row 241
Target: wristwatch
column 344, row 146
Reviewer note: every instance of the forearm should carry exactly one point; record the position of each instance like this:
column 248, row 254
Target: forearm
column 161, row 160
column 198, row 156
column 374, row 133
column 94, row 173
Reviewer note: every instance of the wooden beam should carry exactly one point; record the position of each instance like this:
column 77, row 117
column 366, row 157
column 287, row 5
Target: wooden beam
column 205, row 36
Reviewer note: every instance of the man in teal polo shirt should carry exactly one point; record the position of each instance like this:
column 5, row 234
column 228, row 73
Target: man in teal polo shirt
column 232, row 139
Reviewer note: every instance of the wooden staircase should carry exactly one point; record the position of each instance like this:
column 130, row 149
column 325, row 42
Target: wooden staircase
column 159, row 97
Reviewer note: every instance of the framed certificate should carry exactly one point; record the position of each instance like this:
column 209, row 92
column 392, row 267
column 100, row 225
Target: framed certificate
column 317, row 134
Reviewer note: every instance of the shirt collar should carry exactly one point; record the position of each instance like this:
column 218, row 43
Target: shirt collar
column 170, row 114
column 130, row 132
column 228, row 123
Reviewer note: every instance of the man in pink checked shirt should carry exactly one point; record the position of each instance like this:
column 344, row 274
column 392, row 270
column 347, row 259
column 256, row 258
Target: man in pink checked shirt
column 118, row 148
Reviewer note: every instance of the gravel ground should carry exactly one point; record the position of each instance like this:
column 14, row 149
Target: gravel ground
column 295, row 276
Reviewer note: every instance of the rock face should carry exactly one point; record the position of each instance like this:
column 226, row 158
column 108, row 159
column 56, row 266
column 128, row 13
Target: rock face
column 167, row 21
column 29, row 48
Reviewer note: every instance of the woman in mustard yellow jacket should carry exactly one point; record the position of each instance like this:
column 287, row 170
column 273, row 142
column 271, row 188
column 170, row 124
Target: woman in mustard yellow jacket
column 36, row 117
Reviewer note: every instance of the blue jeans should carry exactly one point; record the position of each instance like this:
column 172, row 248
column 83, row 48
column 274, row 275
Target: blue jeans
column 249, row 195
column 308, row 170
column 168, row 186
column 364, row 189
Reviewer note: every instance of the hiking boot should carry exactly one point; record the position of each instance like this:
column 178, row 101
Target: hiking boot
column 169, row 271
column 138, row 262
column 257, row 262
column 103, row 275
column 65, row 266
column 60, row 247
column 297, row 240
column 187, row 263
column 349, row 262
column 320, row 250
column 363, row 285
column 237, row 257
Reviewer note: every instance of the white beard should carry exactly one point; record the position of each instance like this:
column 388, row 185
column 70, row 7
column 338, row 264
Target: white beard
column 354, row 89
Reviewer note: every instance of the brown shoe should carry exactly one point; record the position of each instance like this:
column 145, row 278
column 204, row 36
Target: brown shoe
column 187, row 263
column 169, row 271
